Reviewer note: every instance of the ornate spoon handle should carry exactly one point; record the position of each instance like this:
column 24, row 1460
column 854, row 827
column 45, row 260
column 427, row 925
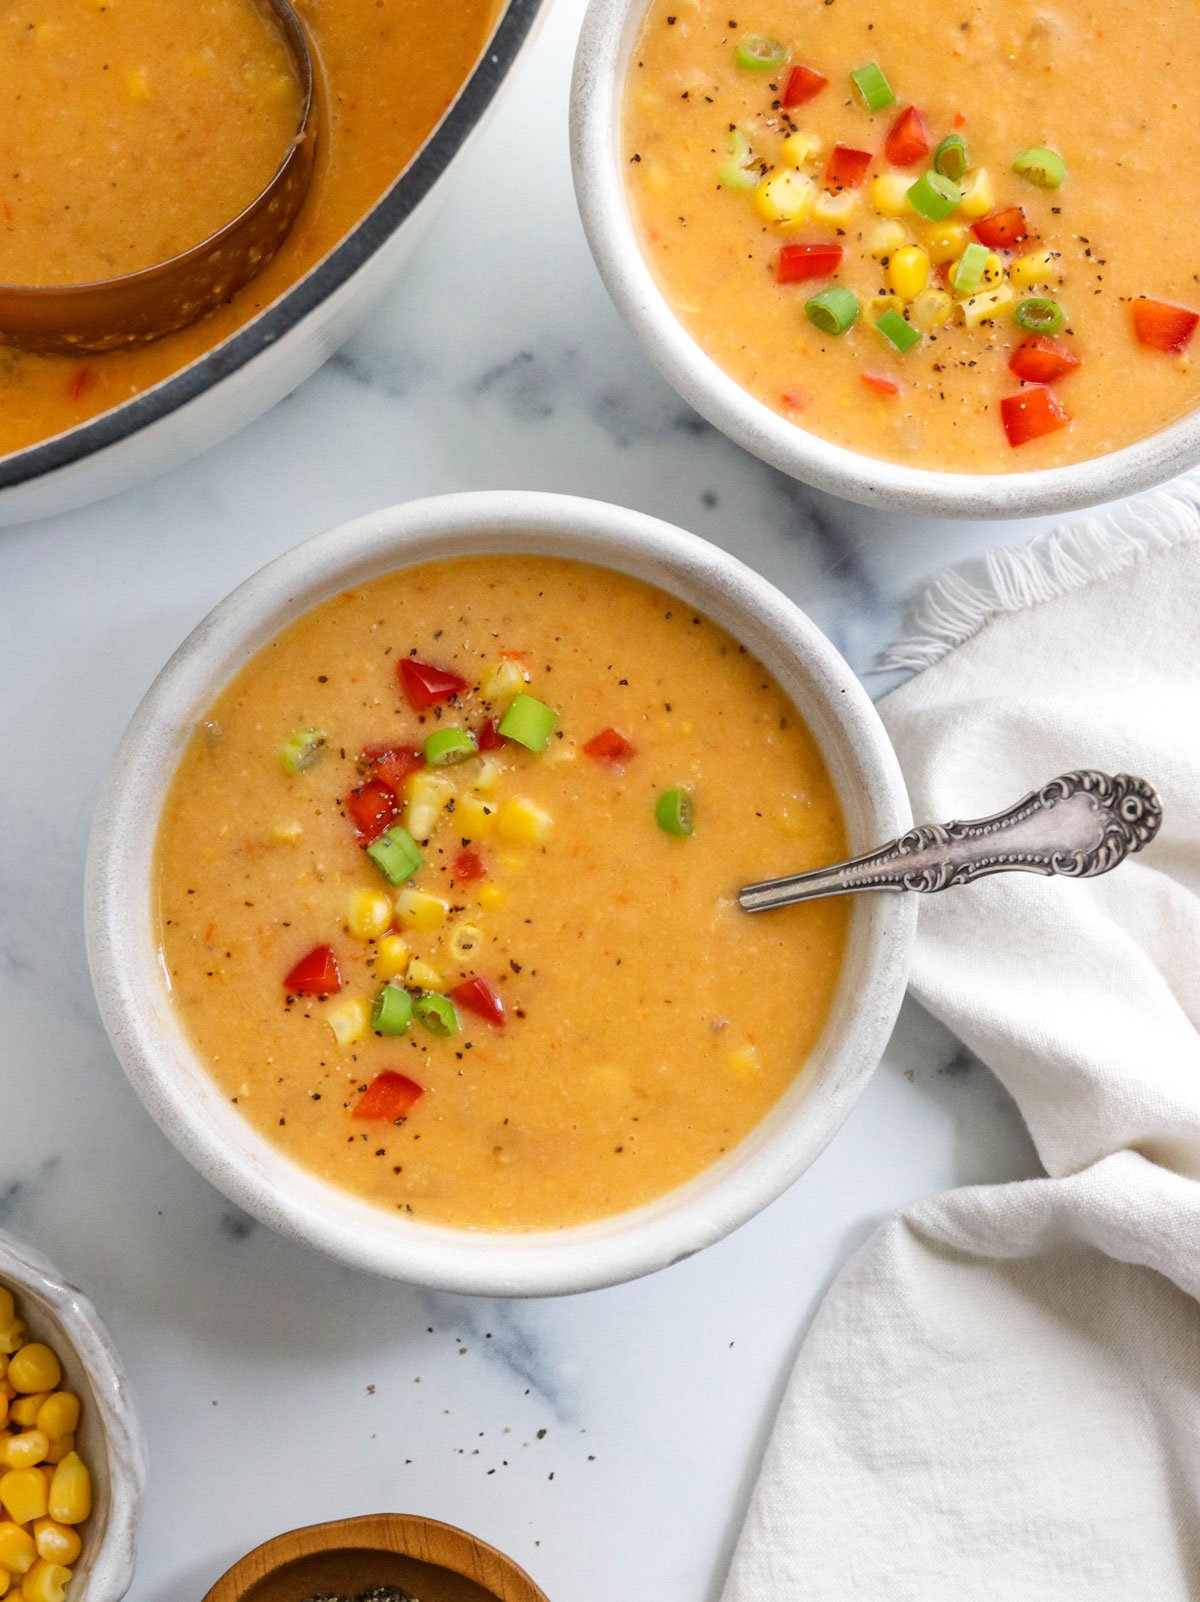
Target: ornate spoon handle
column 1079, row 825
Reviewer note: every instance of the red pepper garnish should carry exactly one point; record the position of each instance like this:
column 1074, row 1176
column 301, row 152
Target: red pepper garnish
column 803, row 83
column 610, row 745
column 468, row 865
column 847, row 167
column 1003, row 229
column 317, row 974
column 1031, row 414
column 881, row 384
column 488, row 736
column 1038, row 360
column 795, row 263
column 1162, row 326
column 908, row 139
column 82, row 381
column 388, row 1098
column 372, row 809
column 426, row 685
column 477, row 996
column 391, row 763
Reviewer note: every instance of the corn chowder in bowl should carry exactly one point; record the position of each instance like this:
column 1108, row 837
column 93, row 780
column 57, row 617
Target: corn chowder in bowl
column 412, row 903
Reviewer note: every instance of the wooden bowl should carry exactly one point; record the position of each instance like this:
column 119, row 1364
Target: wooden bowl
column 434, row 1562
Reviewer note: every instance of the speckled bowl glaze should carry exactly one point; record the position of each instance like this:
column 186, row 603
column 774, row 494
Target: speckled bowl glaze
column 605, row 46
column 110, row 1438
column 175, row 1085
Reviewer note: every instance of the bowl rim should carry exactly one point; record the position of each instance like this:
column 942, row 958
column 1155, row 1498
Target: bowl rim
column 112, row 1564
column 514, row 23
column 596, row 94
column 165, row 1069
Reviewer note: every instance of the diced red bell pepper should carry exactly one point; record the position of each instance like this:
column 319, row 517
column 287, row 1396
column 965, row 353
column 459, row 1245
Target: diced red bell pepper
column 908, row 139
column 388, row 1098
column 881, row 383
column 488, row 736
column 426, row 685
column 1163, row 326
column 372, row 809
column 477, row 996
column 1031, row 414
column 82, row 380
column 391, row 763
column 317, row 974
column 468, row 865
column 847, row 167
column 1039, row 360
column 796, row 263
column 611, row 746
column 1003, row 230
column 803, row 83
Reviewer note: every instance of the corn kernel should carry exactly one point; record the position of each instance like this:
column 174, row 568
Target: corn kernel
column 835, row 211
column 488, row 775
column 423, row 975
column 504, row 681
column 24, row 1451
column 5, row 1582
column 978, row 194
column 12, row 1335
column 70, row 1499
column 45, row 1582
column 474, row 817
column 658, row 181
column 286, row 834
column 25, row 1409
column 137, row 83
column 886, row 236
column 8, row 1305
column 931, row 309
column 993, row 272
column 743, row 1061
column 491, row 896
column 17, row 1550
column 465, row 941
column 523, row 821
column 1037, row 267
column 512, row 864
column 945, row 241
column 369, row 914
column 4, row 1406
column 59, row 1447
column 888, row 194
column 348, row 1020
column 391, row 957
column 981, row 308
column 429, row 794
column 878, row 304
column 908, row 272
column 57, row 1543
column 24, row 1494
column 784, row 198
column 800, row 148
column 418, row 910
column 35, row 1368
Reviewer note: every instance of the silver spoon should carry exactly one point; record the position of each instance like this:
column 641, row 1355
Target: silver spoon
column 1078, row 825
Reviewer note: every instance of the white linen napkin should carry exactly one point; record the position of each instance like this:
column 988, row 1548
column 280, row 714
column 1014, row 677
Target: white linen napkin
column 999, row 1400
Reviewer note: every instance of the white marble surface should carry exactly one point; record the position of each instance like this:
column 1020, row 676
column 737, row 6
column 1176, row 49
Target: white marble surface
column 607, row 1441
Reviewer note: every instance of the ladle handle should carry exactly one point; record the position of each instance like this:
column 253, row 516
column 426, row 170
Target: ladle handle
column 1079, row 825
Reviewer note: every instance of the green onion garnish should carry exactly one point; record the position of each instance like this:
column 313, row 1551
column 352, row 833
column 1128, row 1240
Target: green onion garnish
column 392, row 1012
column 448, row 746
column 834, row 310
column 759, row 54
column 1042, row 167
column 967, row 273
column 437, row 1014
column 528, row 722
column 396, row 854
column 902, row 335
column 302, row 751
column 674, row 813
column 874, row 88
column 933, row 196
column 1040, row 315
column 738, row 171
column 950, row 157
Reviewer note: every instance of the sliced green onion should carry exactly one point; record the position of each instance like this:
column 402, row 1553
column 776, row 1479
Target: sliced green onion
column 874, row 88
column 1042, row 167
column 739, row 171
column 528, row 722
column 448, row 746
column 674, row 813
column 392, row 1012
column 967, row 274
column 902, row 335
column 834, row 310
column 759, row 54
column 950, row 157
column 1040, row 315
column 933, row 196
column 302, row 751
column 396, row 854
column 437, row 1014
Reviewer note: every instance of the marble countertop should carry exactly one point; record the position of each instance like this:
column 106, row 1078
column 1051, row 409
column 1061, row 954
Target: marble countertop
column 607, row 1441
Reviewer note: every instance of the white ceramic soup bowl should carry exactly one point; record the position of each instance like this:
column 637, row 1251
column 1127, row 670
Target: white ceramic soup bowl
column 173, row 1082
column 605, row 47
column 109, row 1439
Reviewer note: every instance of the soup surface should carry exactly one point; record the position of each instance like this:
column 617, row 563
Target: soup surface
column 387, row 70
column 133, row 131
column 617, row 1023
column 761, row 181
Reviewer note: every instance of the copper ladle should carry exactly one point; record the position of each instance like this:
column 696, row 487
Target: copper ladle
column 115, row 313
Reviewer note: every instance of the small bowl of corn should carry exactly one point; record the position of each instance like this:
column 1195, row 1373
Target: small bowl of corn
column 72, row 1461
